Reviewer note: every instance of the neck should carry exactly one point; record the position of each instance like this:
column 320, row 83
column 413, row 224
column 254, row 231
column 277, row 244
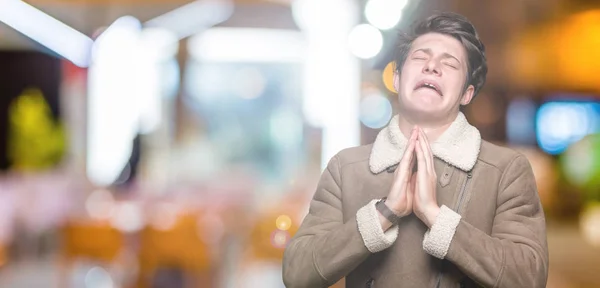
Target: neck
column 433, row 130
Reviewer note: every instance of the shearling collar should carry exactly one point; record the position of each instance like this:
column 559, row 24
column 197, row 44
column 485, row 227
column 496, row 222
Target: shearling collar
column 459, row 145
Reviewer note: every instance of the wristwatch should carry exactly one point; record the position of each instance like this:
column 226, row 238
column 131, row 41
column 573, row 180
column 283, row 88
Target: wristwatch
column 387, row 212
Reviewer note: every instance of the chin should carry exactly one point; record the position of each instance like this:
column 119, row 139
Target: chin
column 424, row 106
column 419, row 107
column 422, row 112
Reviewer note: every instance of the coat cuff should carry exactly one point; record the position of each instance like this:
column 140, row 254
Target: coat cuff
column 370, row 229
column 437, row 240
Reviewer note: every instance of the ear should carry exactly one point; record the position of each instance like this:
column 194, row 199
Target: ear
column 467, row 96
column 396, row 82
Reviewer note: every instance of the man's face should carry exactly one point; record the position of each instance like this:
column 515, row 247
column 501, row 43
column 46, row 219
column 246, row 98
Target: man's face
column 432, row 79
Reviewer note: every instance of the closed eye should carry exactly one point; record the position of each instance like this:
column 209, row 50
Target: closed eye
column 451, row 66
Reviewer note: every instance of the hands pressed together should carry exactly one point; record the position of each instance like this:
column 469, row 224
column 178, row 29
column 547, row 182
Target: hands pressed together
column 415, row 191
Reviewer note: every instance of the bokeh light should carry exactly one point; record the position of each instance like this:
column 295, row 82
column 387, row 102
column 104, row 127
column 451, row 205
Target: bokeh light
column 283, row 222
column 590, row 224
column 207, row 176
column 581, row 163
column 388, row 76
column 375, row 110
column 559, row 124
column 165, row 216
column 97, row 277
column 574, row 65
column 314, row 15
column 128, row 217
column 384, row 14
column 365, row 41
column 100, row 204
column 279, row 239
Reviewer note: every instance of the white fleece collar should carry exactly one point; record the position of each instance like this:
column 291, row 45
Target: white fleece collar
column 459, row 145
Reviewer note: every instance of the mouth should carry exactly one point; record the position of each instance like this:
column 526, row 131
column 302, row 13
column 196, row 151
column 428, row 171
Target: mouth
column 426, row 84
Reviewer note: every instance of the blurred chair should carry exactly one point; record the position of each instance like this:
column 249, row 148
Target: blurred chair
column 267, row 240
column 263, row 248
column 176, row 250
column 92, row 240
column 98, row 241
column 272, row 232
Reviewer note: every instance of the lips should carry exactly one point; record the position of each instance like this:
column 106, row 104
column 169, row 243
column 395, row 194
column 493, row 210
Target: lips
column 429, row 84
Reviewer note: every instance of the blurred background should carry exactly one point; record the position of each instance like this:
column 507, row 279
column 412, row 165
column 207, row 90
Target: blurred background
column 169, row 143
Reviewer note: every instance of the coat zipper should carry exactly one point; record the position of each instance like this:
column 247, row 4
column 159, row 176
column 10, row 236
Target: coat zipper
column 461, row 196
column 439, row 279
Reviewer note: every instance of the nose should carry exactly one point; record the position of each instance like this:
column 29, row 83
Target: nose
column 432, row 67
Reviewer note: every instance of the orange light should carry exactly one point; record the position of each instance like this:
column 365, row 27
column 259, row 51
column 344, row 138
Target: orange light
column 388, row 76
column 561, row 55
column 283, row 222
column 577, row 51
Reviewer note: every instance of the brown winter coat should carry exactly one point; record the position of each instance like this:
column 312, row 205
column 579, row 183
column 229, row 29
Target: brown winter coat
column 491, row 231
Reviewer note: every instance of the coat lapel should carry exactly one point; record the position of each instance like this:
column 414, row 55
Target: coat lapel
column 458, row 146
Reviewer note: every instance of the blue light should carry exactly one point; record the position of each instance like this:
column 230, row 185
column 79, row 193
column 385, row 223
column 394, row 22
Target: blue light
column 560, row 124
column 375, row 111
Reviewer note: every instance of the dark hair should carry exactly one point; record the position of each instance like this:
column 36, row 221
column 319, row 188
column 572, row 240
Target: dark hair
column 453, row 25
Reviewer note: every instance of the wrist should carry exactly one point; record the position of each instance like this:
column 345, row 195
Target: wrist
column 385, row 223
column 391, row 215
column 395, row 210
column 431, row 215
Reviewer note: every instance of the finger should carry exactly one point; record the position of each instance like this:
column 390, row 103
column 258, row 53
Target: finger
column 423, row 148
column 414, row 188
column 422, row 173
column 402, row 177
column 410, row 195
column 421, row 163
column 428, row 152
column 408, row 152
column 413, row 164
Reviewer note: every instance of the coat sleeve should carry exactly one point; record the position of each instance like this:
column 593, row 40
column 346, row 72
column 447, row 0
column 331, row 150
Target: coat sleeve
column 516, row 252
column 325, row 248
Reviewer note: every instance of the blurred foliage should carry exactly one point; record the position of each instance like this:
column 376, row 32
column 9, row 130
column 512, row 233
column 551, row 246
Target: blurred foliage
column 36, row 141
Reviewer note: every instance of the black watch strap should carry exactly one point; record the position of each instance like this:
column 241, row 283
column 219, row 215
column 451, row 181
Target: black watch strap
column 387, row 212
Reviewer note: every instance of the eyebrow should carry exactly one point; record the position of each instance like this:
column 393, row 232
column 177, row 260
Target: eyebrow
column 429, row 52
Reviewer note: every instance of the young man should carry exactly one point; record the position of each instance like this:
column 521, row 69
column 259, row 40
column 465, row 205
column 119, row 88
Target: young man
column 429, row 204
